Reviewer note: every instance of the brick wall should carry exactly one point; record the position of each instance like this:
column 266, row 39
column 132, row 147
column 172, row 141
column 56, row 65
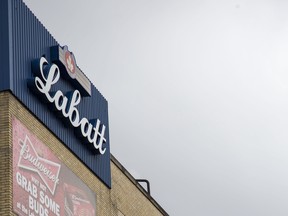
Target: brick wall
column 5, row 157
column 125, row 198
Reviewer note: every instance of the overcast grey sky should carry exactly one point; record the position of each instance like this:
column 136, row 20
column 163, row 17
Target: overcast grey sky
column 197, row 92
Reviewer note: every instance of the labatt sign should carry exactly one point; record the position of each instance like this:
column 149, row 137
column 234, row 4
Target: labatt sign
column 47, row 75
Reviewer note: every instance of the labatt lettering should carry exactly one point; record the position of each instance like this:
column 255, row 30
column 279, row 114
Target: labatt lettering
column 50, row 74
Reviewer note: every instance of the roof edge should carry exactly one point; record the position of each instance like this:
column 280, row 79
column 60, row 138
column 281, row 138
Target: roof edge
column 139, row 186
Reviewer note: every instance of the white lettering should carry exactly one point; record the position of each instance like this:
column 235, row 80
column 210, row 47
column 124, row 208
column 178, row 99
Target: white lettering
column 79, row 199
column 34, row 160
column 26, row 185
column 68, row 107
column 37, row 207
column 49, row 203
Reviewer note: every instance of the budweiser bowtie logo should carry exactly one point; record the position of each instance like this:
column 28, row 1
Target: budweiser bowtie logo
column 30, row 160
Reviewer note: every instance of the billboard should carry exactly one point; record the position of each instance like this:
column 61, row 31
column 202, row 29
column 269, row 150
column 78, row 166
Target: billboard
column 42, row 184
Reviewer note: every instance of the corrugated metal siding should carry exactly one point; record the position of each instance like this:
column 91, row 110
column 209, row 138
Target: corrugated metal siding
column 4, row 46
column 30, row 41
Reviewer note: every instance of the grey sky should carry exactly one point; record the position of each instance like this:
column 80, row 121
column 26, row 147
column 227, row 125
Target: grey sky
column 197, row 92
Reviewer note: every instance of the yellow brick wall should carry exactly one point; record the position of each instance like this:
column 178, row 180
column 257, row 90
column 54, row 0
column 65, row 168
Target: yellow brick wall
column 5, row 157
column 124, row 198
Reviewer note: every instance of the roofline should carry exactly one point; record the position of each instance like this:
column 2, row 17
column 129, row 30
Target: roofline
column 139, row 186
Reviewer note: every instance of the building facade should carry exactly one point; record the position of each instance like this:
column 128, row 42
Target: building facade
column 54, row 131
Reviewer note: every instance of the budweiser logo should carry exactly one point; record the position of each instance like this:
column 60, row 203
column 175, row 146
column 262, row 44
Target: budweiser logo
column 30, row 160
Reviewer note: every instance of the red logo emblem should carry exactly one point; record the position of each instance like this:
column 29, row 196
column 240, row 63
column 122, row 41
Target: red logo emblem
column 70, row 64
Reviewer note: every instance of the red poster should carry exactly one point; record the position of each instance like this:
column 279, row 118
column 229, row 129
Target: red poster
column 42, row 184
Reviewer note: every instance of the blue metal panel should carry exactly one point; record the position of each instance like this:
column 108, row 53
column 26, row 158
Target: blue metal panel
column 5, row 42
column 30, row 40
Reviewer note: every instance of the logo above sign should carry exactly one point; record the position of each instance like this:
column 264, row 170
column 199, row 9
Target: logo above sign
column 67, row 63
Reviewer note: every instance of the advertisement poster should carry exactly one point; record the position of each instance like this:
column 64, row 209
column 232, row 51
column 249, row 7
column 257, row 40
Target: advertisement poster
column 42, row 184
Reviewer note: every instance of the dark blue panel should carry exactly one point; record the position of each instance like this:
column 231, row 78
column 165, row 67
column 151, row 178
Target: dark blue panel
column 5, row 43
column 30, row 40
